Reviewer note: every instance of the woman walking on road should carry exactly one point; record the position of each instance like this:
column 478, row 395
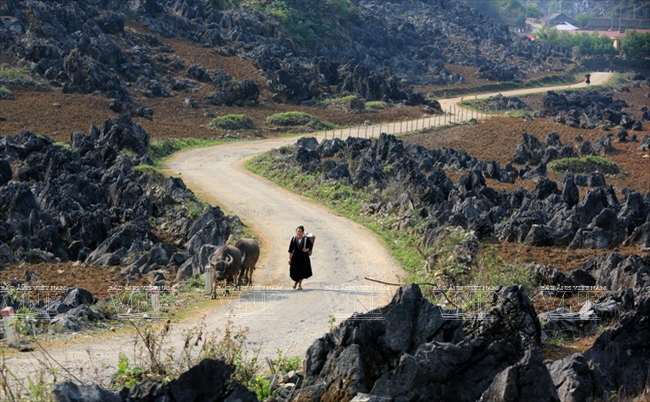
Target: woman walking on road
column 299, row 262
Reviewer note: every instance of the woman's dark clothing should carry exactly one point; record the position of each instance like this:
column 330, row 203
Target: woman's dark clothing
column 300, row 267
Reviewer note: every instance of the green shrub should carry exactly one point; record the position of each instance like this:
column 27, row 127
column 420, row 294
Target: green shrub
column 348, row 98
column 7, row 73
column 285, row 364
column 376, row 105
column 587, row 164
column 262, row 387
column 304, row 19
column 318, row 125
column 19, row 78
column 290, row 119
column 126, row 374
column 232, row 122
column 161, row 149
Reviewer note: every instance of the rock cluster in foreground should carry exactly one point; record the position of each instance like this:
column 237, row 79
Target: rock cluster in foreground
column 407, row 350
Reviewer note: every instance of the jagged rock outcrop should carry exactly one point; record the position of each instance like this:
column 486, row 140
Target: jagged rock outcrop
column 501, row 103
column 618, row 362
column 91, row 204
column 589, row 109
column 84, row 47
column 208, row 380
column 552, row 214
column 408, row 351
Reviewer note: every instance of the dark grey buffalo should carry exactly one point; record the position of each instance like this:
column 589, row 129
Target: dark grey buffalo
column 250, row 251
column 226, row 264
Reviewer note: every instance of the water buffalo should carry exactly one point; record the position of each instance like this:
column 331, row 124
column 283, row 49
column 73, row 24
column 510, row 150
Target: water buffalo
column 226, row 266
column 250, row 251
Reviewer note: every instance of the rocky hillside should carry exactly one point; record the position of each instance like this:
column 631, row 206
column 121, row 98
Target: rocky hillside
column 378, row 51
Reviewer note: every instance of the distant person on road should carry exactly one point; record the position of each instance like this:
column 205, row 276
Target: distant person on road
column 587, row 79
column 299, row 262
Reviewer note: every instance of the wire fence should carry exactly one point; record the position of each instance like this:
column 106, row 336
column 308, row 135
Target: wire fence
column 453, row 115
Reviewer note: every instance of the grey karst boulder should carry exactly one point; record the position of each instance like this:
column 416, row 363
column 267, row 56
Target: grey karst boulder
column 530, row 151
column 121, row 239
column 65, row 322
column 490, row 170
column 538, row 172
column 68, row 391
column 237, row 93
column 640, row 237
column 570, row 191
column 308, row 158
column 195, row 265
column 156, row 258
column 613, row 271
column 77, row 296
column 594, row 238
column 6, row 255
column 572, row 378
column 309, row 143
column 604, row 145
column 5, row 172
column 553, row 140
column 526, row 380
column 349, row 359
column 586, row 149
column 338, row 172
column 588, row 109
column 210, row 227
column 87, row 74
column 550, row 154
column 590, row 206
column 17, row 200
column 210, row 380
column 634, row 211
column 122, row 133
column 595, row 179
column 368, row 172
column 516, row 228
column 413, row 354
column 471, row 181
column 547, row 235
column 568, row 324
column 509, row 174
column 618, row 362
column 468, row 208
column 330, row 147
column 549, row 275
column 645, row 143
column 545, row 188
column 197, row 73
column 462, row 370
column 388, row 149
column 503, row 103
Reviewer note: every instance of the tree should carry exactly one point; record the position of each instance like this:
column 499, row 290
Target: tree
column 582, row 20
column 635, row 47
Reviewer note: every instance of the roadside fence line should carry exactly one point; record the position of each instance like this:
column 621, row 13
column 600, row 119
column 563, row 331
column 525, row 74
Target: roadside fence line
column 453, row 115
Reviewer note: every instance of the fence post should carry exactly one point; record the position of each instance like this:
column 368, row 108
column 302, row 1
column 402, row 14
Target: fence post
column 155, row 301
column 208, row 279
column 9, row 321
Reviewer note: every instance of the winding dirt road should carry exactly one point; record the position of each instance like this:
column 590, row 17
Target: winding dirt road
column 278, row 317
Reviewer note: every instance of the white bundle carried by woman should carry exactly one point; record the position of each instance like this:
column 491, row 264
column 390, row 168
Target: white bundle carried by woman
column 312, row 239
